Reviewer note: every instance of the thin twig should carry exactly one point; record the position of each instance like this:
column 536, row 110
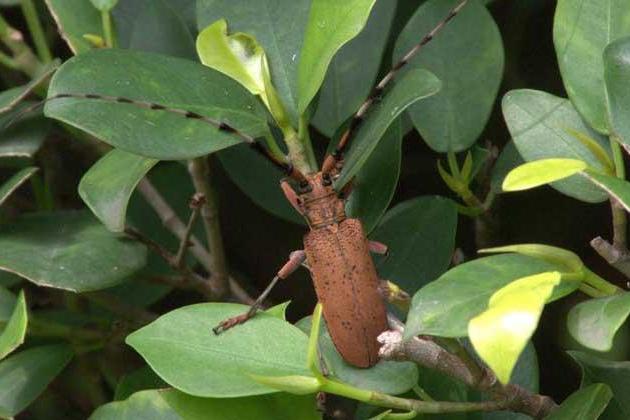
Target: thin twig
column 199, row 169
column 173, row 223
column 192, row 278
column 195, row 204
column 23, row 57
column 429, row 354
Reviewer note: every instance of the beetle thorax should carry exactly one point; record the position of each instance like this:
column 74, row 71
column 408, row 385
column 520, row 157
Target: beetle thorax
column 320, row 203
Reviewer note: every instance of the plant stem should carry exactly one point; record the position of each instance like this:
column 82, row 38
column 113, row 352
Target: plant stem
column 599, row 283
column 618, row 212
column 35, row 28
column 305, row 138
column 298, row 152
column 23, row 56
column 108, row 32
column 173, row 223
column 199, row 169
column 9, row 62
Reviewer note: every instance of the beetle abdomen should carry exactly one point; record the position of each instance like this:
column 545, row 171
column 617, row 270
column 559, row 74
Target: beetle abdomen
column 346, row 283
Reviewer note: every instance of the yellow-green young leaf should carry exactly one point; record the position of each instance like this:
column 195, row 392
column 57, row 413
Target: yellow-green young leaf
column 541, row 172
column 238, row 56
column 548, row 253
column 299, row 385
column 501, row 332
column 448, row 179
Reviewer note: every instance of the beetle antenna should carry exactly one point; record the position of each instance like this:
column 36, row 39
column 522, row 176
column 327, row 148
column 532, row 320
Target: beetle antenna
column 258, row 146
column 331, row 160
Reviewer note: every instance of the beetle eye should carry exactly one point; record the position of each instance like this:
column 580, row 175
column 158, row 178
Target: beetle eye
column 305, row 187
column 326, row 181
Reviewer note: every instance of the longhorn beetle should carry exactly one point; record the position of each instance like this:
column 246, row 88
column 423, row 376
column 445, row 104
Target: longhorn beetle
column 336, row 249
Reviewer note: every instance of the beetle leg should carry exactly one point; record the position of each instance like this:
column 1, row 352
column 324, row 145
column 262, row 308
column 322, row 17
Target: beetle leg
column 378, row 248
column 291, row 196
column 295, row 261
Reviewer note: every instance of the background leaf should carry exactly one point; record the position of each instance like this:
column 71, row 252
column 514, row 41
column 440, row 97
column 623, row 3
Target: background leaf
column 143, row 405
column 68, row 250
column 593, row 323
column 617, row 76
column 13, row 183
column 107, row 187
column 75, row 18
column 587, row 403
column 25, row 375
column 581, row 31
column 155, row 78
column 330, row 25
column 182, row 349
column 539, row 124
column 454, row 118
column 13, row 333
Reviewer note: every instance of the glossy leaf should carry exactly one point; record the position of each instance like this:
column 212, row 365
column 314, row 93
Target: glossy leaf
column 415, row 85
column 68, row 250
column 541, row 126
column 74, row 19
column 12, row 336
column 552, row 254
column 25, row 375
column 585, row 404
column 13, row 183
column 353, row 70
column 157, row 26
column 581, row 31
column 182, row 349
column 615, row 187
column 454, row 118
column 540, row 172
column 260, row 407
column 268, row 24
column 143, row 405
column 331, row 24
column 593, row 323
column 107, row 187
column 617, row 77
column 374, row 185
column 165, row 80
column 409, row 230
column 445, row 306
column 612, row 373
column 500, row 333
column 388, row 377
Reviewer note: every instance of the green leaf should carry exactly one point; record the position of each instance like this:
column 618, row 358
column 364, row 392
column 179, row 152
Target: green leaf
column 581, row 31
column 260, row 407
column 596, row 148
column 238, row 56
column 27, row 374
column 500, row 333
column 182, row 349
column 273, row 24
column 540, row 172
column 445, row 306
column 75, row 18
column 68, row 250
column 15, row 181
column 374, row 185
column 143, row 405
column 15, row 330
column 467, row 56
column 615, row 187
column 9, row 99
column 157, row 26
column 171, row 82
column 137, row 380
column 353, row 70
column 585, row 404
column 104, row 5
column 331, row 24
column 617, row 76
column 614, row 374
column 409, row 230
column 508, row 159
column 386, row 376
column 594, row 323
column 107, row 187
column 7, row 304
column 414, row 85
column 540, row 125
column 552, row 254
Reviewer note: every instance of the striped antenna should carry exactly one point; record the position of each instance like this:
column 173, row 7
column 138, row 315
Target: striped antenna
column 259, row 147
column 331, row 160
